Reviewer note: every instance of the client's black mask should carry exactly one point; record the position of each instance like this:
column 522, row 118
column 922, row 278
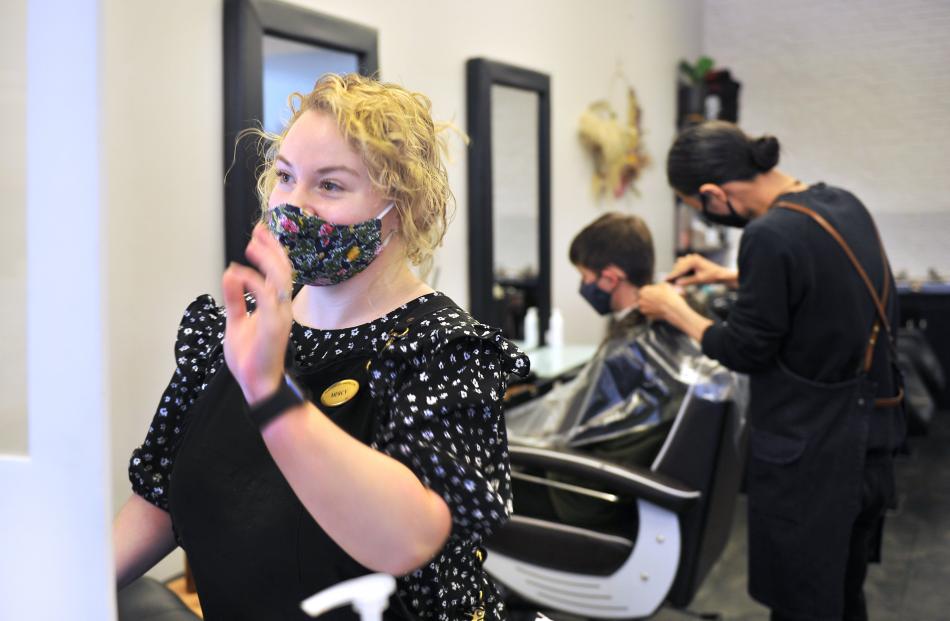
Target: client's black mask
column 596, row 297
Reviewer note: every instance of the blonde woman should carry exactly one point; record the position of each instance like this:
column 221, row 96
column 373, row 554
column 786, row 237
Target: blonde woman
column 355, row 427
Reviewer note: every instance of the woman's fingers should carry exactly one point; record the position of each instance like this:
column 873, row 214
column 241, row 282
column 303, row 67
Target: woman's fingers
column 682, row 267
column 269, row 257
column 237, row 280
column 648, row 297
column 233, row 289
column 693, row 269
column 253, row 344
column 681, row 276
column 685, row 281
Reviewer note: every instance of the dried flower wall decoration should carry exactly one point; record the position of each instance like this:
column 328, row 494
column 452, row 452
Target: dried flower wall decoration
column 616, row 147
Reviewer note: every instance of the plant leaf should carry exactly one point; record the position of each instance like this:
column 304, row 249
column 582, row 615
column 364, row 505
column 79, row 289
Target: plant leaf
column 703, row 66
column 686, row 69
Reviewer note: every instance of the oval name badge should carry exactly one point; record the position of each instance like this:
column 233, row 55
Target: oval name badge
column 340, row 392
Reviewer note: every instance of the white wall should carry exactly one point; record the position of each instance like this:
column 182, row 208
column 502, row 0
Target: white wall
column 54, row 512
column 857, row 93
column 13, row 427
column 162, row 146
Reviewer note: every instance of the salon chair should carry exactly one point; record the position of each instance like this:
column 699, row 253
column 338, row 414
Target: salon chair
column 924, row 378
column 919, row 405
column 147, row 599
column 662, row 526
column 915, row 345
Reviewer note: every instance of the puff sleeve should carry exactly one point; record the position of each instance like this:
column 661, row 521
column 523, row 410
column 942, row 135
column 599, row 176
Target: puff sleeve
column 198, row 356
column 445, row 420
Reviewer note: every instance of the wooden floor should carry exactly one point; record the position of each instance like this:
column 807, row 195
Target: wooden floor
column 191, row 599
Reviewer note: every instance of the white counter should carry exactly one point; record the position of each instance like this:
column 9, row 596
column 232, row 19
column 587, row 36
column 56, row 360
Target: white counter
column 553, row 360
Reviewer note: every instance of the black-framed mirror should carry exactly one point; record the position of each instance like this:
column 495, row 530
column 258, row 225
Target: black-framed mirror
column 272, row 49
column 509, row 194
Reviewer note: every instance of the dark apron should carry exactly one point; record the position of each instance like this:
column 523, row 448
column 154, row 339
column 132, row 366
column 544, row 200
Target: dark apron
column 254, row 550
column 807, row 448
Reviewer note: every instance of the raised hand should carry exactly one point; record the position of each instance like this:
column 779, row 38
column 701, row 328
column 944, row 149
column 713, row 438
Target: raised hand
column 255, row 344
column 695, row 269
column 659, row 301
column 664, row 301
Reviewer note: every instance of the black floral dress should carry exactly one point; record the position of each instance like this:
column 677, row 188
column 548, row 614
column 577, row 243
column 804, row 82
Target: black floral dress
column 438, row 411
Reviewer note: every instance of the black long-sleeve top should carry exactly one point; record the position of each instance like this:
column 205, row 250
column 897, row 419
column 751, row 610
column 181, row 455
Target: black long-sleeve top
column 801, row 301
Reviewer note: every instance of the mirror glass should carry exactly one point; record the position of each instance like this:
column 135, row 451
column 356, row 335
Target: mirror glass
column 273, row 49
column 515, row 207
column 13, row 407
column 514, row 140
column 294, row 67
column 509, row 197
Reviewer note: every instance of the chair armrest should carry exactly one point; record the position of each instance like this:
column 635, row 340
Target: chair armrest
column 147, row 598
column 636, row 482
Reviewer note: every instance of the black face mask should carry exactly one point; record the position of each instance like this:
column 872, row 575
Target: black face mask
column 732, row 219
column 596, row 297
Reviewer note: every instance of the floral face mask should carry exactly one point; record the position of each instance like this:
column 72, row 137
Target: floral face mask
column 323, row 253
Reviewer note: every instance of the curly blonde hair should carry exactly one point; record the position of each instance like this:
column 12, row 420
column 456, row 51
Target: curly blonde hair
column 402, row 147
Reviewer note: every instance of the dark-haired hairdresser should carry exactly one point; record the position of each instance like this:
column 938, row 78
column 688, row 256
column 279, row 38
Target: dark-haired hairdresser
column 825, row 416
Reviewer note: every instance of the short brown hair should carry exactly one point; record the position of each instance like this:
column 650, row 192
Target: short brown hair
column 619, row 239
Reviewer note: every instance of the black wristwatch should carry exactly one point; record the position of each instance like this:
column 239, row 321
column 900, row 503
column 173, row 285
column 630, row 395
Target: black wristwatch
column 288, row 395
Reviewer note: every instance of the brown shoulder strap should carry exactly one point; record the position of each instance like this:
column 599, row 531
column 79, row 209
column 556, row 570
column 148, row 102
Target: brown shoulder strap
column 878, row 302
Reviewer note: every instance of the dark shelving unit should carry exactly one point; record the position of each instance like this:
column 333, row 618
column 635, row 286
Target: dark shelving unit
column 692, row 233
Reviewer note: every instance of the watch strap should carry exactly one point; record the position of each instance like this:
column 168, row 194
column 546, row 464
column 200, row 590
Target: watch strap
column 287, row 396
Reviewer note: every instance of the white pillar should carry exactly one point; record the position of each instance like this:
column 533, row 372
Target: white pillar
column 54, row 503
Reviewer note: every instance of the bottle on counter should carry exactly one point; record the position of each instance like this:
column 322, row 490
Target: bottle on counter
column 531, row 328
column 555, row 334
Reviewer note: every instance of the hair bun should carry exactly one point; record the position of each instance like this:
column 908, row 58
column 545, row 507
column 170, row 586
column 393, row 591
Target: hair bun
column 765, row 152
